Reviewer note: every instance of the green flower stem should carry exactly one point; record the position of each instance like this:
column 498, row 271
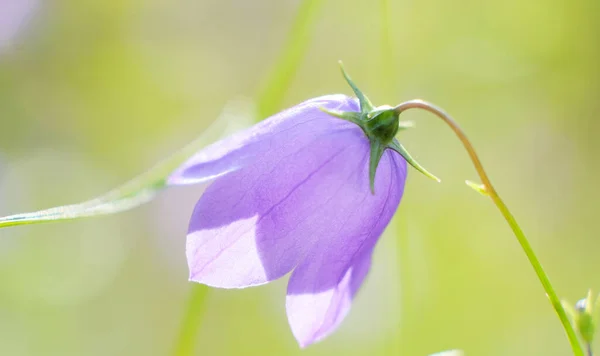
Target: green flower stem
column 491, row 192
column 268, row 102
column 388, row 70
column 286, row 65
column 191, row 322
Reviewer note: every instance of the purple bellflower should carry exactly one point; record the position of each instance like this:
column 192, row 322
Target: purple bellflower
column 309, row 191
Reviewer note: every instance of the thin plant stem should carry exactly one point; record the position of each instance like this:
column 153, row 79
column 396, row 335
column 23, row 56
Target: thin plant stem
column 387, row 50
column 268, row 101
column 286, row 65
column 190, row 325
column 493, row 194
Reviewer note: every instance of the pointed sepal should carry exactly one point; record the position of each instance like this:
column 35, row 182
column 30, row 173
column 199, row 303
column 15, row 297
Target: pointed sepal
column 396, row 146
column 380, row 125
column 354, row 117
column 365, row 103
column 377, row 149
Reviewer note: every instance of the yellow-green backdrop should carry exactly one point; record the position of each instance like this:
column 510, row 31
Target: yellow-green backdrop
column 94, row 92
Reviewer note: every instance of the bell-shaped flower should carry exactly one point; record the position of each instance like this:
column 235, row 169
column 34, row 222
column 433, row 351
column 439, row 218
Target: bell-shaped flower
column 302, row 192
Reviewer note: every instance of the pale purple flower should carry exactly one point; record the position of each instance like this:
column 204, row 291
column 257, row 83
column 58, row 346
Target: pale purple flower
column 292, row 194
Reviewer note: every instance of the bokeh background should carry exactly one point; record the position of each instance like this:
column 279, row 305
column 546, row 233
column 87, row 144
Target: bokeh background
column 93, row 93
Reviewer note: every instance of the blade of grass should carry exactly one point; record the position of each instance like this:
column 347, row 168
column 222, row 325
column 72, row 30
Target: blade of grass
column 137, row 191
column 286, row 65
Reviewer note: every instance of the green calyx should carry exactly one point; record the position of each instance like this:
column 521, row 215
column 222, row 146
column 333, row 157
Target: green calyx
column 380, row 125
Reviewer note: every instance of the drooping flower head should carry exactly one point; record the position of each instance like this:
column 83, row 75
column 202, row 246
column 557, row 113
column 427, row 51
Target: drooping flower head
column 308, row 191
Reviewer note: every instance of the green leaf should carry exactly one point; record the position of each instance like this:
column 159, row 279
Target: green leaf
column 144, row 187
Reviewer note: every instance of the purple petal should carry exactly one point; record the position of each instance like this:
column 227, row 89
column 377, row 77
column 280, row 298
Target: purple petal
column 254, row 225
column 279, row 133
column 322, row 287
column 313, row 315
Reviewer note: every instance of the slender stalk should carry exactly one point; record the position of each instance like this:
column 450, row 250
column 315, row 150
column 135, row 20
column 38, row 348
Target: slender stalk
column 190, row 324
column 493, row 194
column 285, row 66
column 269, row 99
column 388, row 70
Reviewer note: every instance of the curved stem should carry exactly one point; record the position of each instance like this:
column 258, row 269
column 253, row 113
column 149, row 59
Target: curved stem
column 489, row 189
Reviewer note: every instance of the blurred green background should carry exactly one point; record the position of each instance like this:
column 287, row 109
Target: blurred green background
column 93, row 93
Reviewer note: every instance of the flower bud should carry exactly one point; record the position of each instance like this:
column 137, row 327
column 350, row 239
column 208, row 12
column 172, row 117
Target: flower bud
column 584, row 316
